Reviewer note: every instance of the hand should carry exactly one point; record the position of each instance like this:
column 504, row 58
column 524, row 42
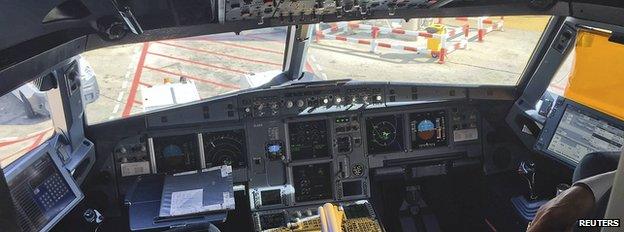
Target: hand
column 562, row 212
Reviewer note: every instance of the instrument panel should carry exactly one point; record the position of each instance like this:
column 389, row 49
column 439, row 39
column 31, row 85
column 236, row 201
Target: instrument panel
column 295, row 148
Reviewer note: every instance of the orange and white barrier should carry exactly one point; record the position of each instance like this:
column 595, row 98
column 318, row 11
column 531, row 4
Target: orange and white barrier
column 482, row 29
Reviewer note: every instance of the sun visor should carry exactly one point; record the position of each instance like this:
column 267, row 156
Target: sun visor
column 597, row 78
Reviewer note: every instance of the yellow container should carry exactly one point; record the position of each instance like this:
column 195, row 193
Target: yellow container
column 435, row 44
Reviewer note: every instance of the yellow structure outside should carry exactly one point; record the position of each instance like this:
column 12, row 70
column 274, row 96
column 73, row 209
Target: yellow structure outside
column 597, row 76
column 435, row 44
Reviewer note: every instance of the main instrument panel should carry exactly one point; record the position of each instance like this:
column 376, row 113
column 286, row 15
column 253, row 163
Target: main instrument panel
column 296, row 147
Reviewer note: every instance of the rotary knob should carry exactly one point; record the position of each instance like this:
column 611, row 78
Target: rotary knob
column 378, row 98
column 300, row 103
column 326, row 101
column 289, row 104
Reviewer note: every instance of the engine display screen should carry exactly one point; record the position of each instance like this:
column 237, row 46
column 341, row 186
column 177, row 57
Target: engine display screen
column 428, row 129
column 579, row 134
column 312, row 182
column 179, row 153
column 308, row 140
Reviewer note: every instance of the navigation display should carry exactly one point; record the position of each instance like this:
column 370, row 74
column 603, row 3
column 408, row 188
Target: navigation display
column 579, row 134
column 428, row 129
column 384, row 134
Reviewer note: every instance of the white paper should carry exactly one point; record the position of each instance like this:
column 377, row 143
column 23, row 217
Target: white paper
column 187, row 202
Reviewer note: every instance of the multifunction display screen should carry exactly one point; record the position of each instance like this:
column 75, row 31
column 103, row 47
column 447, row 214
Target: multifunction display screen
column 579, row 134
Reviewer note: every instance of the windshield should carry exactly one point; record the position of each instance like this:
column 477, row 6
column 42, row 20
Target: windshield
column 456, row 51
column 143, row 77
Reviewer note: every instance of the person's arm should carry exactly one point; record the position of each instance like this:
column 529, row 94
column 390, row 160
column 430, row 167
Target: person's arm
column 598, row 184
column 560, row 213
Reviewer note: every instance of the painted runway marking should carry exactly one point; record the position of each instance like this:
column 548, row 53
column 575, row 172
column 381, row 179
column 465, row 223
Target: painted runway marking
column 120, row 96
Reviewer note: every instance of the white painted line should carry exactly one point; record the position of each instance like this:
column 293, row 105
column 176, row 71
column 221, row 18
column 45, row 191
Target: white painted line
column 120, row 96
column 324, row 75
column 116, row 108
column 111, row 117
column 124, row 85
column 319, row 67
column 313, row 58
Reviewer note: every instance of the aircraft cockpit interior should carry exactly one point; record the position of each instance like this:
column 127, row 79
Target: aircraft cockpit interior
column 311, row 115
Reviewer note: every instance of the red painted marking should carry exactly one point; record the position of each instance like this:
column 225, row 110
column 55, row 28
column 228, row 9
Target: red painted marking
column 424, row 34
column 461, row 18
column 200, row 63
column 246, row 47
column 144, row 84
column 281, row 42
column 385, row 45
column 6, row 143
column 135, row 81
column 413, row 49
column 362, row 41
column 309, row 67
column 219, row 54
column 341, row 38
column 36, row 143
column 488, row 21
column 490, row 225
column 398, row 31
column 192, row 77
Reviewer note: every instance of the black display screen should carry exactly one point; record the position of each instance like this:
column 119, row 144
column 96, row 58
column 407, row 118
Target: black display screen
column 384, row 134
column 225, row 148
column 179, row 153
column 312, row 182
column 428, row 129
column 271, row 197
column 39, row 193
column 308, row 140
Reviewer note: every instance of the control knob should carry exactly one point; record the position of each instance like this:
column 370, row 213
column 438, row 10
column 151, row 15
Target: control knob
column 300, row 103
column 289, row 104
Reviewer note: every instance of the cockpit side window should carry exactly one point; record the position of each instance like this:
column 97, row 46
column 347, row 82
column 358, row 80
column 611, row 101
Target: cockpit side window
column 25, row 122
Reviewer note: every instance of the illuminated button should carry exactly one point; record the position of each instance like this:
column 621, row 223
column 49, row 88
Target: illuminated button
column 338, row 100
column 325, row 101
column 378, row 98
